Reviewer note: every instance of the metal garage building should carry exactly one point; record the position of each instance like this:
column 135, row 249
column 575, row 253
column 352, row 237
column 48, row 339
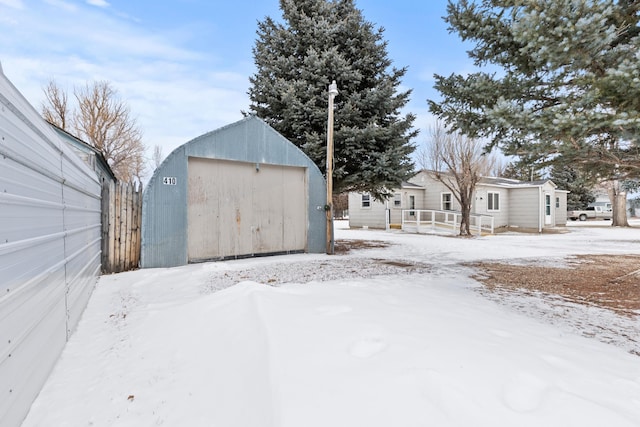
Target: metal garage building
column 238, row 191
column 49, row 249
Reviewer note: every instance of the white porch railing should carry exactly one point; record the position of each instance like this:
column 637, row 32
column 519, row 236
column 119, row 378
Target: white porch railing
column 422, row 220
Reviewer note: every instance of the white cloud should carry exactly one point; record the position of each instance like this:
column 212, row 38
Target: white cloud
column 16, row 4
column 98, row 3
column 61, row 4
column 177, row 93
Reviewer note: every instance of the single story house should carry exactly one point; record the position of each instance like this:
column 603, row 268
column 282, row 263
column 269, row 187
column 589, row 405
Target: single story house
column 530, row 205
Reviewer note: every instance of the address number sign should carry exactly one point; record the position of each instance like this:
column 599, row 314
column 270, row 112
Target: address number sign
column 169, row 180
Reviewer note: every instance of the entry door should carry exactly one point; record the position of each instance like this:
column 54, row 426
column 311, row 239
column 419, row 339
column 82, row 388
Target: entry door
column 547, row 209
column 238, row 209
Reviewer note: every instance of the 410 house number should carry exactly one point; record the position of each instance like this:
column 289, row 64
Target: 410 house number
column 169, row 180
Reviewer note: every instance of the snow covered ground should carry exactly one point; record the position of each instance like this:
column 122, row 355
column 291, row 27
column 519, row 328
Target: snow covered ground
column 388, row 336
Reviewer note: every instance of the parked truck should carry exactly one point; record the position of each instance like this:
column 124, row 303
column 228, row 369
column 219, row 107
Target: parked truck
column 591, row 212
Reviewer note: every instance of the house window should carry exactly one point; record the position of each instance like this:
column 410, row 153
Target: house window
column 493, row 201
column 397, row 200
column 366, row 200
column 412, row 205
column 557, row 202
column 447, row 202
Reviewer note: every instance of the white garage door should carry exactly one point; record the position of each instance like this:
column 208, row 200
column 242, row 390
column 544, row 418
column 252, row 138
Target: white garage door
column 238, row 209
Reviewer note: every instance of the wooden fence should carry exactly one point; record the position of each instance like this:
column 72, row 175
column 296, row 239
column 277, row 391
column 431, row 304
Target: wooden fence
column 121, row 226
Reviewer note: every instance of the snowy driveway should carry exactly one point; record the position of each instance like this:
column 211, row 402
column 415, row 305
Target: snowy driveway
column 388, row 336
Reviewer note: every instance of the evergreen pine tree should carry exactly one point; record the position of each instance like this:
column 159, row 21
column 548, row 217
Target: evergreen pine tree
column 319, row 41
column 522, row 171
column 571, row 179
column 563, row 81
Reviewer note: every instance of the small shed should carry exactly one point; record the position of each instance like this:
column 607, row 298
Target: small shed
column 90, row 155
column 239, row 191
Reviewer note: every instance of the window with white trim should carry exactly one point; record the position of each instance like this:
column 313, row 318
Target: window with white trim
column 366, row 200
column 447, row 202
column 397, row 200
column 557, row 202
column 493, row 201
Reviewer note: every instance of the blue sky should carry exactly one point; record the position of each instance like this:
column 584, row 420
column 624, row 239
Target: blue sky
column 183, row 66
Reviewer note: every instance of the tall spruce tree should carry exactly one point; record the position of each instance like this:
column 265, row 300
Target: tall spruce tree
column 573, row 180
column 522, row 171
column 319, row 41
column 564, row 82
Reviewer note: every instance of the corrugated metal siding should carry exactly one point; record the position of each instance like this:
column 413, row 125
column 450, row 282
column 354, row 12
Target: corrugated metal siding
column 164, row 215
column 49, row 249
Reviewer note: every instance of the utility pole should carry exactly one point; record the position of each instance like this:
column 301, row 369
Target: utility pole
column 333, row 91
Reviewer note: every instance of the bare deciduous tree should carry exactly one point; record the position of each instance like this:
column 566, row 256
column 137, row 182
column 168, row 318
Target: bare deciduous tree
column 56, row 109
column 340, row 205
column 499, row 166
column 103, row 120
column 157, row 156
column 458, row 162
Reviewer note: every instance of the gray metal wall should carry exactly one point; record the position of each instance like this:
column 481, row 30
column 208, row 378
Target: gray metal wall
column 49, row 249
column 164, row 212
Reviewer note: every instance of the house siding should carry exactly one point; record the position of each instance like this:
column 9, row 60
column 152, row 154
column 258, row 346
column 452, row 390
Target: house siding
column 432, row 198
column 525, row 208
column 373, row 217
column 480, row 205
column 396, row 212
column 561, row 210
